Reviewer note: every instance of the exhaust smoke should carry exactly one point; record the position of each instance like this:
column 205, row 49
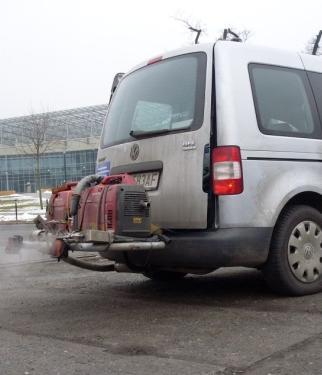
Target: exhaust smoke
column 17, row 248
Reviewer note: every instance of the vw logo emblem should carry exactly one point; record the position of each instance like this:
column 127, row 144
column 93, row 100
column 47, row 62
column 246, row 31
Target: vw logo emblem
column 135, row 150
column 308, row 251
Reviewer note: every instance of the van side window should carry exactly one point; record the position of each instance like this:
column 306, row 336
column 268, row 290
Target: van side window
column 284, row 102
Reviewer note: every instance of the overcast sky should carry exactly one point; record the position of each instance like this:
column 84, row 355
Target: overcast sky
column 60, row 54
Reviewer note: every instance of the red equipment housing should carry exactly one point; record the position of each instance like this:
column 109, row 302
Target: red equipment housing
column 117, row 203
column 59, row 206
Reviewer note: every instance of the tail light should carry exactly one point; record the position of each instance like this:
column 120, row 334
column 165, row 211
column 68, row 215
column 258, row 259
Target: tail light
column 227, row 170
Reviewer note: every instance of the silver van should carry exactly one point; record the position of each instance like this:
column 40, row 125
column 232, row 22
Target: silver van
column 226, row 139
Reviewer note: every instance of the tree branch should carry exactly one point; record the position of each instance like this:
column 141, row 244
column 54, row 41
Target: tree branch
column 195, row 29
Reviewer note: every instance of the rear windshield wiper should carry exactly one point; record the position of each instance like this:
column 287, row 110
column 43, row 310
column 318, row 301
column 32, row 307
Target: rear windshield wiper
column 139, row 133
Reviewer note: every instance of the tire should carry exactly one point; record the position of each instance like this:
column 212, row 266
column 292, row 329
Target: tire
column 164, row 276
column 294, row 265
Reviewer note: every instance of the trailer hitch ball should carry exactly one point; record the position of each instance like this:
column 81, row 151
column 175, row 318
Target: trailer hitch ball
column 59, row 249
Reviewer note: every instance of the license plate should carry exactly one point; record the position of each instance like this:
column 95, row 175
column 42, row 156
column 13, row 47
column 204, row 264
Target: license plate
column 149, row 180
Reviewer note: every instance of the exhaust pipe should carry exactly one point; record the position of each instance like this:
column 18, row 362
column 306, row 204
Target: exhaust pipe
column 125, row 246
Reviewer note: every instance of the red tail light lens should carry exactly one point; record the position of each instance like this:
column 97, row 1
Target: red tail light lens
column 227, row 170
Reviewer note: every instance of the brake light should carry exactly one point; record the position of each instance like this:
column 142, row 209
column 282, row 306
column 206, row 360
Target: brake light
column 227, row 170
column 154, row 60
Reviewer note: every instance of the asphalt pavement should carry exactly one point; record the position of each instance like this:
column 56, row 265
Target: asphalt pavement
column 57, row 319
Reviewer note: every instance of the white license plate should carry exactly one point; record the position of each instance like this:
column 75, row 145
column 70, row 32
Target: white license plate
column 149, row 180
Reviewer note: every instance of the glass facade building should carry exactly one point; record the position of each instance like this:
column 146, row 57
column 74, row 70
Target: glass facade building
column 17, row 172
column 76, row 133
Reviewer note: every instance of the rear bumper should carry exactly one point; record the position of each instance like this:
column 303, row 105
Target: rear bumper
column 208, row 249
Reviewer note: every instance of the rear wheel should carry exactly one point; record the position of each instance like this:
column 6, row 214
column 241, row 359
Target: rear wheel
column 294, row 265
column 164, row 276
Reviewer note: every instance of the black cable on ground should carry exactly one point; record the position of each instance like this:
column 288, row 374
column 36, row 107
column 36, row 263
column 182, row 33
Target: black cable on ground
column 89, row 266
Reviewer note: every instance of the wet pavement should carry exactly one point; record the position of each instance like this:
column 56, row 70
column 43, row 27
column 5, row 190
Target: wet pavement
column 56, row 319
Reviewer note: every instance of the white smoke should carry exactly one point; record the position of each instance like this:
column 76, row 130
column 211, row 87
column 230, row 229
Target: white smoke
column 28, row 252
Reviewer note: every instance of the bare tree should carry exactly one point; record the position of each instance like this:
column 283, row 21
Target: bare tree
column 313, row 45
column 194, row 29
column 227, row 34
column 245, row 34
column 36, row 138
column 235, row 35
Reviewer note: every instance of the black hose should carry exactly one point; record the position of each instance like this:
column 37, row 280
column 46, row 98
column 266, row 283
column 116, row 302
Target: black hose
column 89, row 266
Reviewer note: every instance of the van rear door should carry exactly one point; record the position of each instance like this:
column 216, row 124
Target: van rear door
column 158, row 129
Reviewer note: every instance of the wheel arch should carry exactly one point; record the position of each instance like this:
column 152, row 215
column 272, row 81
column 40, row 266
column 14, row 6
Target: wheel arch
column 309, row 198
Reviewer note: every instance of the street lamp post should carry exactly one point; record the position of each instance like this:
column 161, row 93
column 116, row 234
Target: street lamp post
column 7, row 174
column 65, row 172
column 7, row 180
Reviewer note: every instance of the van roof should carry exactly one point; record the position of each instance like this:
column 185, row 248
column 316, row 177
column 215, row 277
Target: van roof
column 205, row 47
column 312, row 63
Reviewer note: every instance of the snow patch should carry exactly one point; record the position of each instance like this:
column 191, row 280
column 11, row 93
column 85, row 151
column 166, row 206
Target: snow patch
column 28, row 206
